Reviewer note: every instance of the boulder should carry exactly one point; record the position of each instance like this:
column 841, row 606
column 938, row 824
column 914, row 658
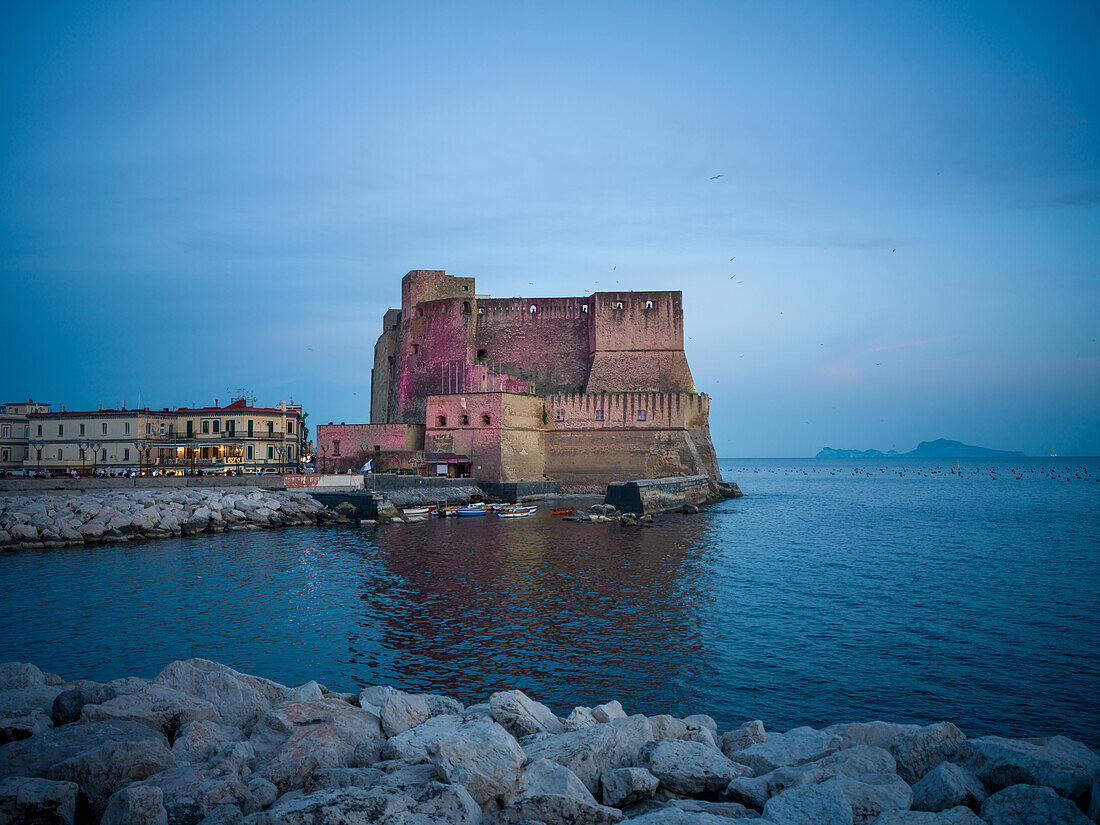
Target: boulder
column 952, row 816
column 330, row 779
column 672, row 815
column 667, row 727
column 579, row 718
column 347, row 727
column 196, row 741
column 1031, row 805
column 589, row 752
column 412, row 744
column 25, row 711
column 67, row 704
column 702, row 721
column 404, row 711
column 749, row 733
column 522, row 716
column 608, row 711
column 552, row 808
column 264, row 793
column 625, row 786
column 872, row 795
column 632, row 734
column 483, row 757
column 35, row 756
column 823, row 804
column 33, row 801
column 105, row 769
column 223, row 814
column 920, row 750
column 433, row 802
column 159, row 707
column 876, row 734
column 690, row 767
column 1060, row 763
column 947, row 786
column 192, row 792
column 241, row 699
column 541, row 777
column 136, row 805
column 795, row 747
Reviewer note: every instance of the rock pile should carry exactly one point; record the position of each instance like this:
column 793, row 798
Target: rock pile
column 202, row 744
column 57, row 519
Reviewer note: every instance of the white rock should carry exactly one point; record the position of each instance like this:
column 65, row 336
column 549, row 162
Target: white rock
column 578, row 719
column 876, row 734
column 404, row 711
column 690, row 767
column 823, row 804
column 608, row 711
column 749, row 733
column 105, row 769
column 918, row 751
column 794, row 747
column 589, row 752
column 1028, row 804
column 947, row 786
column 196, row 741
column 481, row 756
column 624, row 786
column 1060, row 763
column 522, row 716
column 872, row 795
column 160, row 707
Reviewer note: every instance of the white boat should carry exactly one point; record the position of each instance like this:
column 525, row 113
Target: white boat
column 416, row 512
column 516, row 512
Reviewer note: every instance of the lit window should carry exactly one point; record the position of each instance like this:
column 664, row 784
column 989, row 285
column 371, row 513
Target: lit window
column 641, row 415
column 560, row 415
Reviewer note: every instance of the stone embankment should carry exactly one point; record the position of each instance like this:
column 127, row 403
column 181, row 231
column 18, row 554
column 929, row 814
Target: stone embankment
column 202, row 744
column 58, row 519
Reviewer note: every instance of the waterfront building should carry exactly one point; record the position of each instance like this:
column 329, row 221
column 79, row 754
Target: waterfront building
column 112, row 441
column 583, row 390
column 239, row 437
column 15, row 432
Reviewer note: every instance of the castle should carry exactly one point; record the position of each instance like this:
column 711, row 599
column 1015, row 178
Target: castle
column 582, row 390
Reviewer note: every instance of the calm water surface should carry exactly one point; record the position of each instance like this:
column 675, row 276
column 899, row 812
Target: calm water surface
column 834, row 591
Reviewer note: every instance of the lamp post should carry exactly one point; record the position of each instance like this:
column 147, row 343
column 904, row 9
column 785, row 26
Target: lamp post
column 95, row 447
column 38, row 445
column 142, row 447
column 84, row 447
column 281, row 450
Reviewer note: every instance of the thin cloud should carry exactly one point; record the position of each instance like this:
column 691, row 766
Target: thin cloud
column 917, row 343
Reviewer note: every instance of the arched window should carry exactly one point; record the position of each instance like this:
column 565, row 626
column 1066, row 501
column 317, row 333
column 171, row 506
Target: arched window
column 584, row 308
column 533, row 309
column 466, row 307
column 560, row 415
column 649, row 305
column 618, row 305
column 486, row 420
column 441, row 421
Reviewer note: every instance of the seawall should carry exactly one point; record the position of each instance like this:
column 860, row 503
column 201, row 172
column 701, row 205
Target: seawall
column 202, row 743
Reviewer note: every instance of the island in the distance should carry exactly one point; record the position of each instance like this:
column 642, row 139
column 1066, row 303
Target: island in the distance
column 940, row 448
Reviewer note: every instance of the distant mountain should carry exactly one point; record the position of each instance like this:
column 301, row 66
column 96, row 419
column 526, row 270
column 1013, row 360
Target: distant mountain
column 940, row 448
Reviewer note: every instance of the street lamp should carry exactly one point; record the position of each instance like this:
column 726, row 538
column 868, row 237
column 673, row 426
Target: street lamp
column 87, row 445
column 281, row 450
column 142, row 447
column 38, row 445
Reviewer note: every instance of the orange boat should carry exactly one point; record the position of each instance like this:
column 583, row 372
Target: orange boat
column 561, row 511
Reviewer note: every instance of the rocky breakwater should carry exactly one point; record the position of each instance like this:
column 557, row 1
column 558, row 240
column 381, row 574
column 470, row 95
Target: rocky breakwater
column 202, row 744
column 58, row 519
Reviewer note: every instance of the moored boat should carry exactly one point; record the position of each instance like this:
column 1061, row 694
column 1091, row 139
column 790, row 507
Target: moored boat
column 517, row 512
column 561, row 511
column 471, row 511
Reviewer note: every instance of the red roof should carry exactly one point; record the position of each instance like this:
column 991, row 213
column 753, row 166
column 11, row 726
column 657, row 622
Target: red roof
column 238, row 406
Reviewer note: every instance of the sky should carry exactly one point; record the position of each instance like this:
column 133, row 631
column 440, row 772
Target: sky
column 903, row 243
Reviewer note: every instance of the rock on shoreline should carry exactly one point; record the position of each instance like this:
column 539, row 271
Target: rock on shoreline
column 203, row 744
column 59, row 519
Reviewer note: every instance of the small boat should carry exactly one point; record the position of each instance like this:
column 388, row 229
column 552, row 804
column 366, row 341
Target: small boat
column 516, row 512
column 561, row 511
column 417, row 512
column 471, row 511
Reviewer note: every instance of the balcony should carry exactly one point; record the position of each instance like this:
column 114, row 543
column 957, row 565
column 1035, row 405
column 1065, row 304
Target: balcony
column 231, row 435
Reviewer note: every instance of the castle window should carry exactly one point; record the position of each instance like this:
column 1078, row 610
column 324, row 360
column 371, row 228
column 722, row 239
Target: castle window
column 649, row 305
column 641, row 415
column 416, row 348
column 336, row 446
column 618, row 305
column 441, row 421
column 465, row 288
column 533, row 309
column 560, row 415
column 466, row 307
column 486, row 420
column 481, row 354
column 445, row 307
column 464, row 421
column 419, row 312
column 599, row 415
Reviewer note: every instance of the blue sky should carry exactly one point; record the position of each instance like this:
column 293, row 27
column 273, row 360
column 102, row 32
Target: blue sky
column 205, row 196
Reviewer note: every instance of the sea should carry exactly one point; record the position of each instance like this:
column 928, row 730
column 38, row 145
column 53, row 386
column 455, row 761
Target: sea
column 834, row 590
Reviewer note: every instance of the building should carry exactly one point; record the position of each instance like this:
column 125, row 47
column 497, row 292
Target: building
column 111, row 441
column 15, row 432
column 236, row 437
column 585, row 390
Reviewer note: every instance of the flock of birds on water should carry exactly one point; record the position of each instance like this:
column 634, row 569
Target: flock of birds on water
column 992, row 472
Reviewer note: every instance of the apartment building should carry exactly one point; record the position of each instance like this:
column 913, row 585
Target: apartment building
column 97, row 440
column 15, row 432
column 238, row 436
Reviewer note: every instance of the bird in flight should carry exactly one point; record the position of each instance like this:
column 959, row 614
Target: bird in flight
column 734, row 258
column 893, row 250
column 715, row 177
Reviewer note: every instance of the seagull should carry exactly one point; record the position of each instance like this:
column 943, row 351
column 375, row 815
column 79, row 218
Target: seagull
column 734, row 258
column 893, row 250
column 715, row 177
